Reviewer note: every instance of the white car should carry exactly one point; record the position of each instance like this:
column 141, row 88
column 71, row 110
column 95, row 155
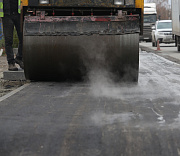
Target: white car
column 162, row 31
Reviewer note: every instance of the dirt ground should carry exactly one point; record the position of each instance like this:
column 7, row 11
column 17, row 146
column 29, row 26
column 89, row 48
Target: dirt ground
column 7, row 86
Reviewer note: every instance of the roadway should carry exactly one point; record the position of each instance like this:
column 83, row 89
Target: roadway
column 168, row 51
column 96, row 118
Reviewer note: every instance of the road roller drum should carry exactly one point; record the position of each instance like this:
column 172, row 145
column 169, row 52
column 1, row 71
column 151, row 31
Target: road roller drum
column 72, row 57
column 66, row 40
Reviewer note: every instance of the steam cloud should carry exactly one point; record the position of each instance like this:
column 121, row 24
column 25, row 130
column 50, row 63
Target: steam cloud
column 158, row 83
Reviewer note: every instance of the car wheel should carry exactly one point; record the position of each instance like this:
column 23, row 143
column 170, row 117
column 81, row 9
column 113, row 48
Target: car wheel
column 178, row 43
column 178, row 48
column 153, row 44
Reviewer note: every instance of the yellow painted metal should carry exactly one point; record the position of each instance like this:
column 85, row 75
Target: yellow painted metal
column 24, row 3
column 140, row 4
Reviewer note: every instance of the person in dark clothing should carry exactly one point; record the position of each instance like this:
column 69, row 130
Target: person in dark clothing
column 10, row 12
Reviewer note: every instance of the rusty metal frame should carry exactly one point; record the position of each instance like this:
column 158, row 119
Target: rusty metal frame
column 80, row 25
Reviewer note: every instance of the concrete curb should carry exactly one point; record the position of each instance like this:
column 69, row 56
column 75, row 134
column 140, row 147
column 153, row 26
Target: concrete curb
column 14, row 75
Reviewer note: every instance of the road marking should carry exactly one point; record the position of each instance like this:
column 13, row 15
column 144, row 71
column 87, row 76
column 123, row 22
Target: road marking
column 13, row 92
column 160, row 117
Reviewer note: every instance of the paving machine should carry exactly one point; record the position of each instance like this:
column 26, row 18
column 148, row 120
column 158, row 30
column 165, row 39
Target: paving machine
column 66, row 39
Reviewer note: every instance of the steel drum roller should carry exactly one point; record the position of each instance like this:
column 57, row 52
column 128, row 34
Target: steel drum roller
column 72, row 57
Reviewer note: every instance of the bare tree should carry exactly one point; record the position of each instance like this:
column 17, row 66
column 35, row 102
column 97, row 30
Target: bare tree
column 163, row 9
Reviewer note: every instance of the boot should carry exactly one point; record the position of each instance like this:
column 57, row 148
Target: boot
column 20, row 63
column 12, row 67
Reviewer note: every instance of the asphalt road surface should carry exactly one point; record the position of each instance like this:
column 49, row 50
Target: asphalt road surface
column 98, row 118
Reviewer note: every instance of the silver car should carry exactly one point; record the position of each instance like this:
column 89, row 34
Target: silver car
column 162, row 31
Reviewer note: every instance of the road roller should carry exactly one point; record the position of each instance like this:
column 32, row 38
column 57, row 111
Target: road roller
column 67, row 39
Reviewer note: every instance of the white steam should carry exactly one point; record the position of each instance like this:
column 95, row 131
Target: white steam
column 158, row 79
column 101, row 119
column 158, row 85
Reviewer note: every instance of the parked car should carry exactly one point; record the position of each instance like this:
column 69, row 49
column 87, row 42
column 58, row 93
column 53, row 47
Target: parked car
column 162, row 31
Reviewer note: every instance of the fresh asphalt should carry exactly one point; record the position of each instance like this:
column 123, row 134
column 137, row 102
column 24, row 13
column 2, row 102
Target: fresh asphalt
column 97, row 118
